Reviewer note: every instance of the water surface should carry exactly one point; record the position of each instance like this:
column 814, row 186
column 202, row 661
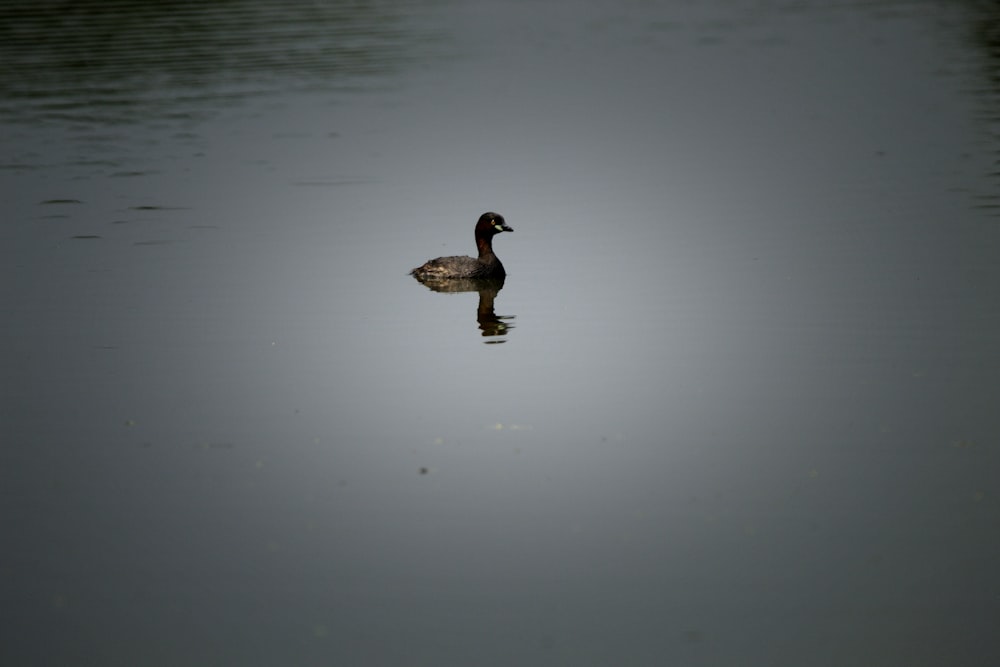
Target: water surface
column 741, row 408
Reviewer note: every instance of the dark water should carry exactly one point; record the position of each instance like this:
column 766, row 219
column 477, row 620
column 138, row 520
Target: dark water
column 735, row 404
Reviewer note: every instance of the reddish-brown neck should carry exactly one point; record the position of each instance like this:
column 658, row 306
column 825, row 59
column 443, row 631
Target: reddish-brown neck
column 484, row 242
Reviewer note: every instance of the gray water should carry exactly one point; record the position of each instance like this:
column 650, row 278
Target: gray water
column 737, row 404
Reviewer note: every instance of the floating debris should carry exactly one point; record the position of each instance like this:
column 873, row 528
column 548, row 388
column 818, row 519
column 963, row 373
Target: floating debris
column 510, row 427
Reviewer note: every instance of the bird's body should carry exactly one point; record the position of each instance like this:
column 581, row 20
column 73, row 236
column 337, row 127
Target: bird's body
column 485, row 266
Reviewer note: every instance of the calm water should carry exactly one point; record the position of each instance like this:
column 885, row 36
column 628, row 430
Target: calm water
column 736, row 403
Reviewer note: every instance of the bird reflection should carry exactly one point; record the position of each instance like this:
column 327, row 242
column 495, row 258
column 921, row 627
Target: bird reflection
column 491, row 324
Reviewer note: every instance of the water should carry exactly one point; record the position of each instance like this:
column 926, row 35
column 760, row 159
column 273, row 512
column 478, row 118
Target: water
column 741, row 408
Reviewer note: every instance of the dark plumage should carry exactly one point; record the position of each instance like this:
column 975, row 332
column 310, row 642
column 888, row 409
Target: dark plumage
column 485, row 266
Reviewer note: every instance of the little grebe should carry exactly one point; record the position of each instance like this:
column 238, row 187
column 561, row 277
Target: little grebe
column 485, row 266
